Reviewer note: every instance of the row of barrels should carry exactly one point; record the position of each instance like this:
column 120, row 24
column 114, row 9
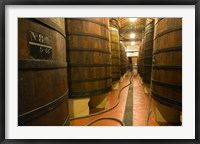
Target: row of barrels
column 160, row 61
column 60, row 59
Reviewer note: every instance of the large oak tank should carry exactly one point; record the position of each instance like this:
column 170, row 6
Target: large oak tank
column 42, row 76
column 147, row 51
column 89, row 56
column 166, row 76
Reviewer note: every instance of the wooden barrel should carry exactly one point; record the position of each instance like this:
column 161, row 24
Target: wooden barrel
column 141, row 55
column 113, row 22
column 115, row 54
column 89, row 56
column 42, row 76
column 167, row 63
column 123, row 60
column 134, row 60
column 127, row 64
column 140, row 61
column 135, row 65
column 147, row 51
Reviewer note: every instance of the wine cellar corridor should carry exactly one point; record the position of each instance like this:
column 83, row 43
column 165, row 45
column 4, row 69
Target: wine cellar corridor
column 100, row 71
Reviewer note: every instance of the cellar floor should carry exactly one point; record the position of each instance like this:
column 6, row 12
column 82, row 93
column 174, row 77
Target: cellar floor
column 139, row 107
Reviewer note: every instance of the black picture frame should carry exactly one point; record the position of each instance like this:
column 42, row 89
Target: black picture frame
column 99, row 2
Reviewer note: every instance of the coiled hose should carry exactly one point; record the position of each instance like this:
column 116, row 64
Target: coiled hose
column 94, row 114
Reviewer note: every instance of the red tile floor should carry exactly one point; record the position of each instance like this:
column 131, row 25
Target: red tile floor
column 140, row 103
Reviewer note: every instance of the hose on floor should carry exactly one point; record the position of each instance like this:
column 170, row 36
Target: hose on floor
column 112, row 118
column 94, row 114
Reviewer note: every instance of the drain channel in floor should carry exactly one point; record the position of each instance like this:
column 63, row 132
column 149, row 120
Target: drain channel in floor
column 128, row 115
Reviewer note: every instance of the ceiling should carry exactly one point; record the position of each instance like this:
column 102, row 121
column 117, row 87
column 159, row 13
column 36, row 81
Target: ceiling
column 127, row 27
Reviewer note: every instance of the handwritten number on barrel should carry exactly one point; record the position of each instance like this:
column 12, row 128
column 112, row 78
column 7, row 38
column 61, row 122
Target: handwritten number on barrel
column 46, row 50
column 41, row 38
column 41, row 50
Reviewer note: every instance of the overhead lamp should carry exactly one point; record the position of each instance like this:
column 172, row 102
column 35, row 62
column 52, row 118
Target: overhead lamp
column 132, row 43
column 132, row 35
column 132, row 19
column 112, row 28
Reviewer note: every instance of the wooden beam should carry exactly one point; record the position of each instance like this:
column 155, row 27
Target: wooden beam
column 131, row 51
column 130, row 23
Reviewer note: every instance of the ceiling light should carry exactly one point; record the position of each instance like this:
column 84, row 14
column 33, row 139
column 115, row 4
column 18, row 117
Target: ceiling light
column 132, row 19
column 112, row 28
column 132, row 43
column 132, row 35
